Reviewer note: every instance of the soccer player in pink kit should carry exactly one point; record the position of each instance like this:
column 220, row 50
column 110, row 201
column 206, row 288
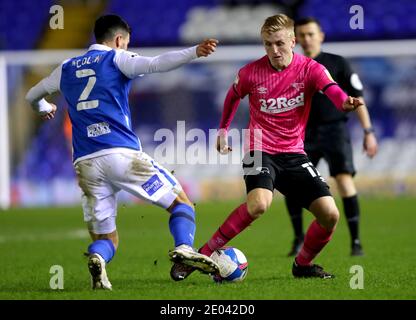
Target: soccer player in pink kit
column 280, row 86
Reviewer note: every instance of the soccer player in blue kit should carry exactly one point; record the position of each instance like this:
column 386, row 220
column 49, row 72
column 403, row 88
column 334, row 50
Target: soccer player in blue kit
column 107, row 155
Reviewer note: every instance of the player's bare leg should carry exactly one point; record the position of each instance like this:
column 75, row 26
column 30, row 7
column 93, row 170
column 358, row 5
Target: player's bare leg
column 113, row 236
column 184, row 257
column 258, row 201
column 326, row 212
column 345, row 184
column 97, row 263
column 348, row 192
column 317, row 236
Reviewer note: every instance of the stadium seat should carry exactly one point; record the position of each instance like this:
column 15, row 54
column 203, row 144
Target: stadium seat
column 16, row 18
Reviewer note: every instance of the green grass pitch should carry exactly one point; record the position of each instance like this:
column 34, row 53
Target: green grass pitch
column 33, row 240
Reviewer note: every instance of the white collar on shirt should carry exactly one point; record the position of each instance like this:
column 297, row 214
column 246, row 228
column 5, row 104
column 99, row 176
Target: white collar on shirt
column 100, row 47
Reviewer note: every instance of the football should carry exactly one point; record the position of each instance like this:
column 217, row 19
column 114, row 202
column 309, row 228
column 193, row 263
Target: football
column 232, row 263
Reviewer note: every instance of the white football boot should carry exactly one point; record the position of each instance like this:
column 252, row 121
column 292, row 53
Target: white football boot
column 187, row 255
column 96, row 266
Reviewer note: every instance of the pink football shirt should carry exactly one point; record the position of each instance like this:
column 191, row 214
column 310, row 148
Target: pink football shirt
column 279, row 101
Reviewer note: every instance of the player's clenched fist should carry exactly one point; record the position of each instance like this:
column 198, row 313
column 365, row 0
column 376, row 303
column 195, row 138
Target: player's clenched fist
column 222, row 143
column 50, row 115
column 206, row 47
column 352, row 103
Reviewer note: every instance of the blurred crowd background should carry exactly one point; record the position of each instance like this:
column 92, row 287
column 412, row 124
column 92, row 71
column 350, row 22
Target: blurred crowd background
column 40, row 152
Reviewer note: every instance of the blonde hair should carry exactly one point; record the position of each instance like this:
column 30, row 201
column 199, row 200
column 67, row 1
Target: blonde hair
column 278, row 22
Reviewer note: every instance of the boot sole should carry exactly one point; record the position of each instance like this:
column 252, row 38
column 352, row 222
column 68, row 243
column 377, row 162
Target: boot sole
column 205, row 265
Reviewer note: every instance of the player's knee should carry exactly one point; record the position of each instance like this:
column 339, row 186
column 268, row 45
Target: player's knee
column 332, row 218
column 326, row 212
column 181, row 198
column 257, row 208
column 258, row 201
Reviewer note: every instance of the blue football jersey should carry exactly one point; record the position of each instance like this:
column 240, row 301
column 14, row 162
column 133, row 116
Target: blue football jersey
column 97, row 95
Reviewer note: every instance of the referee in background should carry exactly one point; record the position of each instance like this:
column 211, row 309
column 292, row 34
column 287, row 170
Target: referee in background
column 327, row 133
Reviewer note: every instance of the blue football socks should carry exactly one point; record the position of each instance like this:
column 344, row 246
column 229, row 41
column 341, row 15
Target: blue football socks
column 105, row 248
column 182, row 224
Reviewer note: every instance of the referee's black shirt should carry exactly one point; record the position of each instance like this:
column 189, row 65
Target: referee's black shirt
column 323, row 111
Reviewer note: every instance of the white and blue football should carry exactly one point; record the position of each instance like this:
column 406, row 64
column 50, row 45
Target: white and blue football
column 232, row 263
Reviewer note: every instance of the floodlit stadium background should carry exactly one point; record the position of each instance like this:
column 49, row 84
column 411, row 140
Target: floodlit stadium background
column 35, row 156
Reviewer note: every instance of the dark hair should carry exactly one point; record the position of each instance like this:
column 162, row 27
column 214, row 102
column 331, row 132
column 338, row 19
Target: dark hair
column 106, row 27
column 307, row 20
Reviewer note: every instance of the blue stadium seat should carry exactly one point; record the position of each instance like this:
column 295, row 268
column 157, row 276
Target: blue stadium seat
column 16, row 18
column 156, row 22
column 383, row 19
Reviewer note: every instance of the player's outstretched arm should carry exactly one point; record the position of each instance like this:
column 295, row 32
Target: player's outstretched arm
column 231, row 102
column 323, row 81
column 134, row 65
column 340, row 99
column 36, row 95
